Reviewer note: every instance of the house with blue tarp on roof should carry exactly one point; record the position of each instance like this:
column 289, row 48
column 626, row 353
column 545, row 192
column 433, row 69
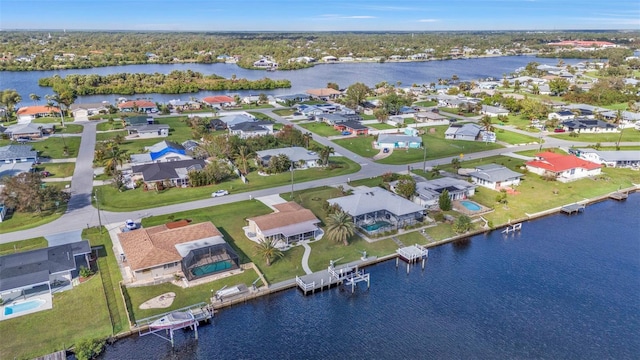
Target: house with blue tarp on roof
column 164, row 151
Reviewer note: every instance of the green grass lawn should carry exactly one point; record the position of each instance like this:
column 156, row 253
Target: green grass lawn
column 261, row 116
column 284, row 112
column 381, row 126
column 619, row 106
column 514, row 138
column 114, row 200
column 520, row 122
column 23, row 245
column 631, row 135
column 22, row 221
column 52, row 147
column 77, row 314
column 58, row 170
column 252, row 106
column 110, row 135
column 105, row 126
column 322, row 129
column 425, row 103
column 458, row 112
column 70, row 129
column 367, row 117
column 437, row 147
column 49, row 120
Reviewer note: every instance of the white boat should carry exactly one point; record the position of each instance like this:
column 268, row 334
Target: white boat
column 174, row 320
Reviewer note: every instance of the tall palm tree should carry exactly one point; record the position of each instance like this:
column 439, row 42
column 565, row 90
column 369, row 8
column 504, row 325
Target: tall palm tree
column 340, row 227
column 325, row 152
column 307, row 138
column 35, row 98
column 267, row 249
column 486, row 123
column 618, row 122
column 113, row 157
column 242, row 159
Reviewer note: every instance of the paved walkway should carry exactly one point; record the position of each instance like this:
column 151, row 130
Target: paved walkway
column 305, row 258
column 518, row 156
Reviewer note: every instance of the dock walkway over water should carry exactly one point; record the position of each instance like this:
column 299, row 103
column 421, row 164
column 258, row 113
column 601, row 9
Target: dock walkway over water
column 348, row 274
column 573, row 208
column 196, row 314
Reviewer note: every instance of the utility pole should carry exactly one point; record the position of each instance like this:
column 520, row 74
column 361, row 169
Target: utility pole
column 292, row 180
column 424, row 157
column 95, row 196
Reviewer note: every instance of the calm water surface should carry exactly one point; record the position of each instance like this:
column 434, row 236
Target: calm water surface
column 26, row 82
column 567, row 287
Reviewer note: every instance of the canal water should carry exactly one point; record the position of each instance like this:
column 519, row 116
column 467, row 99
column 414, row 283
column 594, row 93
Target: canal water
column 566, row 287
column 408, row 73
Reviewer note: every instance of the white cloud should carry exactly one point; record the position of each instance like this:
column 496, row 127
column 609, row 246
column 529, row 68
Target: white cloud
column 359, row 17
column 428, row 20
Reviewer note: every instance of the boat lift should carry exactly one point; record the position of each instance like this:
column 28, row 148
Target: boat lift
column 169, row 322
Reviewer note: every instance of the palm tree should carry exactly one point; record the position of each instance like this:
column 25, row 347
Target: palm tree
column 242, row 159
column 113, row 157
column 307, row 138
column 486, row 123
column 267, row 249
column 340, row 227
column 35, row 98
column 325, row 152
column 618, row 122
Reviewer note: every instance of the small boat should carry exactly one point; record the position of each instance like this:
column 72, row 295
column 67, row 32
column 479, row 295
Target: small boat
column 176, row 319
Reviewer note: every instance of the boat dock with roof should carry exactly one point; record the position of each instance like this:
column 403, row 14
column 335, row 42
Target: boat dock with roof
column 189, row 317
column 412, row 254
column 347, row 274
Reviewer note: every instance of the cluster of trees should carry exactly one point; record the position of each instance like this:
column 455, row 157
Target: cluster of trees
column 214, row 172
column 606, row 91
column 176, row 82
column 26, row 193
column 94, row 49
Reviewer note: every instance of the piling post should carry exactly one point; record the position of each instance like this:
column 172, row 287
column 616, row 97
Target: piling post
column 195, row 329
column 396, row 262
column 423, row 261
column 171, row 336
column 407, row 268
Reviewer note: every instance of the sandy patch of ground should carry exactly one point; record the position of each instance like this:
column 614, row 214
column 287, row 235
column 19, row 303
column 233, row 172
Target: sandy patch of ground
column 159, row 302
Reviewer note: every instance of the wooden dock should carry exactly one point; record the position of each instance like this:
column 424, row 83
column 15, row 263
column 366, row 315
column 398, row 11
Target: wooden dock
column 512, row 228
column 618, row 195
column 573, row 208
column 348, row 274
column 199, row 312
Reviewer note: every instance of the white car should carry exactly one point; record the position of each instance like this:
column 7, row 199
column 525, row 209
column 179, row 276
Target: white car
column 219, row 193
column 130, row 224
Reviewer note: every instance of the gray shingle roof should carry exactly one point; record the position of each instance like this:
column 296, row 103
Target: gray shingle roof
column 494, row 173
column 167, row 170
column 375, row 199
column 16, row 152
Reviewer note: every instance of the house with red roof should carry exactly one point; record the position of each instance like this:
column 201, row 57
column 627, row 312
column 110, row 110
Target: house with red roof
column 219, row 101
column 564, row 168
column 144, row 106
column 28, row 113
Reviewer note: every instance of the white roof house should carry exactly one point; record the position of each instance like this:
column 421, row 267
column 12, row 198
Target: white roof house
column 296, row 154
column 495, row 176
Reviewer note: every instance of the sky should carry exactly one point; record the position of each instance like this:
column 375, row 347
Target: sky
column 320, row 15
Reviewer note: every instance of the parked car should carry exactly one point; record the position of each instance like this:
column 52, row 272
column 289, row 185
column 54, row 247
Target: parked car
column 130, row 224
column 45, row 173
column 385, row 150
column 346, row 133
column 219, row 193
column 558, row 130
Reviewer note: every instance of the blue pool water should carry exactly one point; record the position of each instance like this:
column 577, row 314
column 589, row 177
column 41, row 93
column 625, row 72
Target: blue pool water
column 211, row 268
column 23, row 306
column 470, row 205
column 376, row 225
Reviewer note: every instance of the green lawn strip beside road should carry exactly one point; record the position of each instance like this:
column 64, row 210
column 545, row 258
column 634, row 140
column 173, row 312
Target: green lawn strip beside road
column 23, row 245
column 70, row 129
column 106, row 126
column 184, row 297
column 284, row 112
column 261, row 116
column 425, row 103
column 458, row 112
column 536, row 195
column 114, row 200
column 381, row 126
column 320, row 128
column 511, row 137
column 628, row 135
column 230, row 219
column 103, row 136
column 21, row 221
column 80, row 313
column 53, row 147
column 58, row 170
column 110, row 275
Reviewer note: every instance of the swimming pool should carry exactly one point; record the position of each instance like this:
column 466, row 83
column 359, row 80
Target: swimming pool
column 470, row 205
column 211, row 268
column 23, row 306
column 376, row 225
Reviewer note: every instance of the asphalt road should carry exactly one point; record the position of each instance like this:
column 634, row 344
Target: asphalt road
column 81, row 213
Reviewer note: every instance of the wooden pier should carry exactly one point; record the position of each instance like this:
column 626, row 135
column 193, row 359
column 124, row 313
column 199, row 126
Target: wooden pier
column 618, row 195
column 412, row 254
column 347, row 274
column 573, row 208
column 199, row 312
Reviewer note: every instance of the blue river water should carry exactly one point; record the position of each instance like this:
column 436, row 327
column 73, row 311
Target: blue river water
column 566, row 287
column 407, row 73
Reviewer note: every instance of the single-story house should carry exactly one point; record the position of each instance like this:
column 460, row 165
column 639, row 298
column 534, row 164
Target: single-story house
column 217, row 124
column 28, row 113
column 251, row 128
column 292, row 98
column 376, row 210
column 469, row 132
column 493, row 111
column 428, row 192
column 234, row 119
column 431, row 117
column 39, row 271
column 83, row 111
column 324, row 94
column 182, row 105
column 144, row 106
column 14, row 169
column 398, row 141
column 18, row 153
column 619, row 159
column 629, row 118
column 301, row 157
column 160, row 252
column 495, row 177
column 164, row 151
column 334, row 118
column 28, row 131
column 149, row 131
column 563, row 168
column 561, row 115
column 583, row 125
column 290, row 223
column 354, row 127
column 265, row 63
column 176, row 172
column 219, row 101
column 138, row 120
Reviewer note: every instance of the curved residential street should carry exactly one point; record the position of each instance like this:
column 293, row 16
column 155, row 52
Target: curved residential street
column 81, row 213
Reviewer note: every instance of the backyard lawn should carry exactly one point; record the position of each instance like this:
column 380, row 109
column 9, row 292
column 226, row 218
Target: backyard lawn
column 70, row 129
column 58, row 170
column 320, row 128
column 53, row 147
column 114, row 200
column 629, row 134
column 381, row 126
column 23, row 245
column 514, row 138
column 284, row 112
column 106, row 126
